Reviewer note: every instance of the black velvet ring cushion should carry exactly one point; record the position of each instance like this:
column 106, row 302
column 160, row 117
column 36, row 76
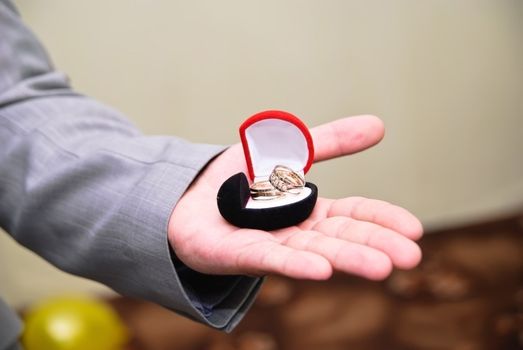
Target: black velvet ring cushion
column 234, row 196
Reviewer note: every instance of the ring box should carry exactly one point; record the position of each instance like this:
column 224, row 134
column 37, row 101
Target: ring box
column 269, row 139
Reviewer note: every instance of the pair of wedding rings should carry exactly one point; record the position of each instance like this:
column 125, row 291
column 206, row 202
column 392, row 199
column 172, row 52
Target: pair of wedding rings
column 282, row 180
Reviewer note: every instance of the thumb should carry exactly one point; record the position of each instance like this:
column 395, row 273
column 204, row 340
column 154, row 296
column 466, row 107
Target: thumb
column 346, row 136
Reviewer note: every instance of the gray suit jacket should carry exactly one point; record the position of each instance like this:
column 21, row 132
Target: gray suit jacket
column 84, row 189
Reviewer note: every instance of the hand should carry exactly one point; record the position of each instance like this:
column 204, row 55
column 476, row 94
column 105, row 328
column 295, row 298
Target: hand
column 360, row 236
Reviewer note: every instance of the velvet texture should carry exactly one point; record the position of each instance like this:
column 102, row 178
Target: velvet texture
column 234, row 195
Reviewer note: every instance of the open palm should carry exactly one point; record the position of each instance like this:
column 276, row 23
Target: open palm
column 355, row 235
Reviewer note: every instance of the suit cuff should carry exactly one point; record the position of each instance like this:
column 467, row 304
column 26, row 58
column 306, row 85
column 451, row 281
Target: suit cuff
column 218, row 301
column 214, row 295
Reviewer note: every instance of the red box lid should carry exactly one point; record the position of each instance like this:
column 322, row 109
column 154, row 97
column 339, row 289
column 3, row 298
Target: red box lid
column 273, row 138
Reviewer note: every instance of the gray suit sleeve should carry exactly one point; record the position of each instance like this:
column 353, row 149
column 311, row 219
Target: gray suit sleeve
column 83, row 188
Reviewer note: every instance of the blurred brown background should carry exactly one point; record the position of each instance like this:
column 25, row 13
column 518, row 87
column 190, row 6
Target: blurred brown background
column 445, row 76
column 466, row 295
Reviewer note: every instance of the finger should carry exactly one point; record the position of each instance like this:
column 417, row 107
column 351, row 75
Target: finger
column 274, row 258
column 378, row 212
column 346, row 136
column 403, row 252
column 344, row 256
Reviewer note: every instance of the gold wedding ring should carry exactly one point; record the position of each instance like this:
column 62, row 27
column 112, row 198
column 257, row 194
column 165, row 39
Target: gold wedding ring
column 286, row 180
column 281, row 181
column 264, row 190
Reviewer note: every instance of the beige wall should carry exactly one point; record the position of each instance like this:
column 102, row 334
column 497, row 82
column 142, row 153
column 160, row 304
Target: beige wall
column 445, row 76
